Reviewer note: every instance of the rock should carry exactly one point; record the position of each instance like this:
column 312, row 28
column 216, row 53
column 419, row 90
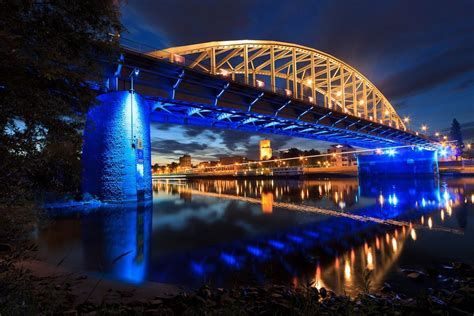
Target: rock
column 156, row 302
column 386, row 288
column 415, row 276
column 323, row 292
column 5, row 248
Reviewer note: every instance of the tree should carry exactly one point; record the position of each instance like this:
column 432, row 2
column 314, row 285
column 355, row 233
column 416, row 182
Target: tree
column 50, row 54
column 456, row 135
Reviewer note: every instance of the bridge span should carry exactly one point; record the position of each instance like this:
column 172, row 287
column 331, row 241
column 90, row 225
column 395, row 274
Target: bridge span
column 252, row 86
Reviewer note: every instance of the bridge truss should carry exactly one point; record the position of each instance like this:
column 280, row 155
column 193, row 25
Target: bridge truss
column 296, row 71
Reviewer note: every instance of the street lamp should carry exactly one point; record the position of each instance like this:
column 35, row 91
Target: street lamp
column 134, row 73
column 424, row 128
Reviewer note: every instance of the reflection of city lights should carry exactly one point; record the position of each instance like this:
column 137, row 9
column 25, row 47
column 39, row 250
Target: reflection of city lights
column 336, row 263
column 353, row 256
column 422, row 220
column 381, row 199
column 413, row 234
column 472, row 198
column 442, row 215
column 318, row 282
column 347, row 270
column 370, row 261
column 394, row 244
column 377, row 243
column 430, row 222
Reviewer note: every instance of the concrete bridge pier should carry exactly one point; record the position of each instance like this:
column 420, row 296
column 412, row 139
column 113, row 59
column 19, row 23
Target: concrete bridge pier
column 116, row 153
column 398, row 162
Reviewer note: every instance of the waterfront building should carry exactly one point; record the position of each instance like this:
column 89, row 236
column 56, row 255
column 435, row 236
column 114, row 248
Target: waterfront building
column 230, row 160
column 338, row 159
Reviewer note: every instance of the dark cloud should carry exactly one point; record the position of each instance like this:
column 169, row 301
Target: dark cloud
column 431, row 72
column 169, row 146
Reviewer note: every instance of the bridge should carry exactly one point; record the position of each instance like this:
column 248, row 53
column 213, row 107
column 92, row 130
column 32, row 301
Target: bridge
column 249, row 85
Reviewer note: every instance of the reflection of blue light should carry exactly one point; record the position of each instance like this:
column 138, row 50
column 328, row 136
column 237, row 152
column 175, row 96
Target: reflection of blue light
column 295, row 238
column 391, row 152
column 229, row 259
column 393, row 200
column 312, row 234
column 423, row 202
column 446, row 195
column 255, row 251
column 197, row 268
column 276, row 244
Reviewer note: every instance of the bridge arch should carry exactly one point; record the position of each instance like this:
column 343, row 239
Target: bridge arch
column 298, row 71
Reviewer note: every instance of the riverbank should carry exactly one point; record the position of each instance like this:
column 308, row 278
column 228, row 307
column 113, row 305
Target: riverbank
column 31, row 287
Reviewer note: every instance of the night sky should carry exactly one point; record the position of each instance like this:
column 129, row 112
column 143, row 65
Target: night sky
column 419, row 53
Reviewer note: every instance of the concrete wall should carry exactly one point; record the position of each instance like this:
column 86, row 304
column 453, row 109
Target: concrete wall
column 113, row 170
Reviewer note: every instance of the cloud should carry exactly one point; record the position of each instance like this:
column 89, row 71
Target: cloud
column 169, row 146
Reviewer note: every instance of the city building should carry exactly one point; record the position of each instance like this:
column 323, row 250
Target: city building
column 185, row 162
column 338, row 159
column 230, row 160
column 265, row 149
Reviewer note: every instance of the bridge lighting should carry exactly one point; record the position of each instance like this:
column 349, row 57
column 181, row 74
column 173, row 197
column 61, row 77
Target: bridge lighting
column 371, row 118
column 391, row 152
column 416, row 133
column 443, row 152
column 310, row 99
column 288, row 92
column 338, row 93
column 178, row 59
column 361, row 102
column 445, row 137
column 223, row 72
column 378, row 151
column 387, row 112
column 424, row 128
column 260, row 83
column 406, row 119
column 309, row 82
column 437, row 134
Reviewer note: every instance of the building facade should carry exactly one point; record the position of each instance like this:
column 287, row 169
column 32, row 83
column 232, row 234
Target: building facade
column 339, row 159
column 265, row 149
column 185, row 162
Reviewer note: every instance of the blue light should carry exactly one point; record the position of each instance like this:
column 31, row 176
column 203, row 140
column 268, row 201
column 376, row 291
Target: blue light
column 229, row 259
column 393, row 200
column 255, row 251
column 443, row 152
column 446, row 195
column 391, row 152
column 197, row 268
column 423, row 202
column 136, row 72
column 296, row 239
column 276, row 244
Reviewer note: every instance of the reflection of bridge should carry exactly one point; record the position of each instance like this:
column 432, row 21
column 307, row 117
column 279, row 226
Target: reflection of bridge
column 254, row 86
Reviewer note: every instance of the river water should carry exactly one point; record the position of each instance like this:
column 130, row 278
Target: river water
column 336, row 233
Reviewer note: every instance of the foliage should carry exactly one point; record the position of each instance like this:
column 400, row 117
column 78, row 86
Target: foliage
column 456, row 135
column 51, row 52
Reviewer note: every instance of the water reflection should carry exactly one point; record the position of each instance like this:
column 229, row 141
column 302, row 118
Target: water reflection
column 228, row 232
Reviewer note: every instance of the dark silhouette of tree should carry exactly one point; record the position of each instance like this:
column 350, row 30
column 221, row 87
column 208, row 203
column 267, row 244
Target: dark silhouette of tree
column 456, row 135
column 51, row 52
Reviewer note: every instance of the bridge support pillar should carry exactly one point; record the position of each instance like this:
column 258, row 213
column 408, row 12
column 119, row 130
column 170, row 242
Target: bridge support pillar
column 116, row 155
column 398, row 162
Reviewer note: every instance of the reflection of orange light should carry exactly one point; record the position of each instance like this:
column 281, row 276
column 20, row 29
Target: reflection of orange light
column 353, row 256
column 267, row 202
column 422, row 220
column 442, row 215
column 337, row 263
column 347, row 270
column 430, row 222
column 370, row 260
column 318, row 282
column 413, row 234
column 377, row 243
column 387, row 238
column 394, row 244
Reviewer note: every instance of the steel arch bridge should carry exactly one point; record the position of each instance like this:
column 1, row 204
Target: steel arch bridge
column 297, row 71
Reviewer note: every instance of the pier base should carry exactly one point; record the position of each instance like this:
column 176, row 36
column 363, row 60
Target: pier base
column 116, row 152
column 398, row 162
